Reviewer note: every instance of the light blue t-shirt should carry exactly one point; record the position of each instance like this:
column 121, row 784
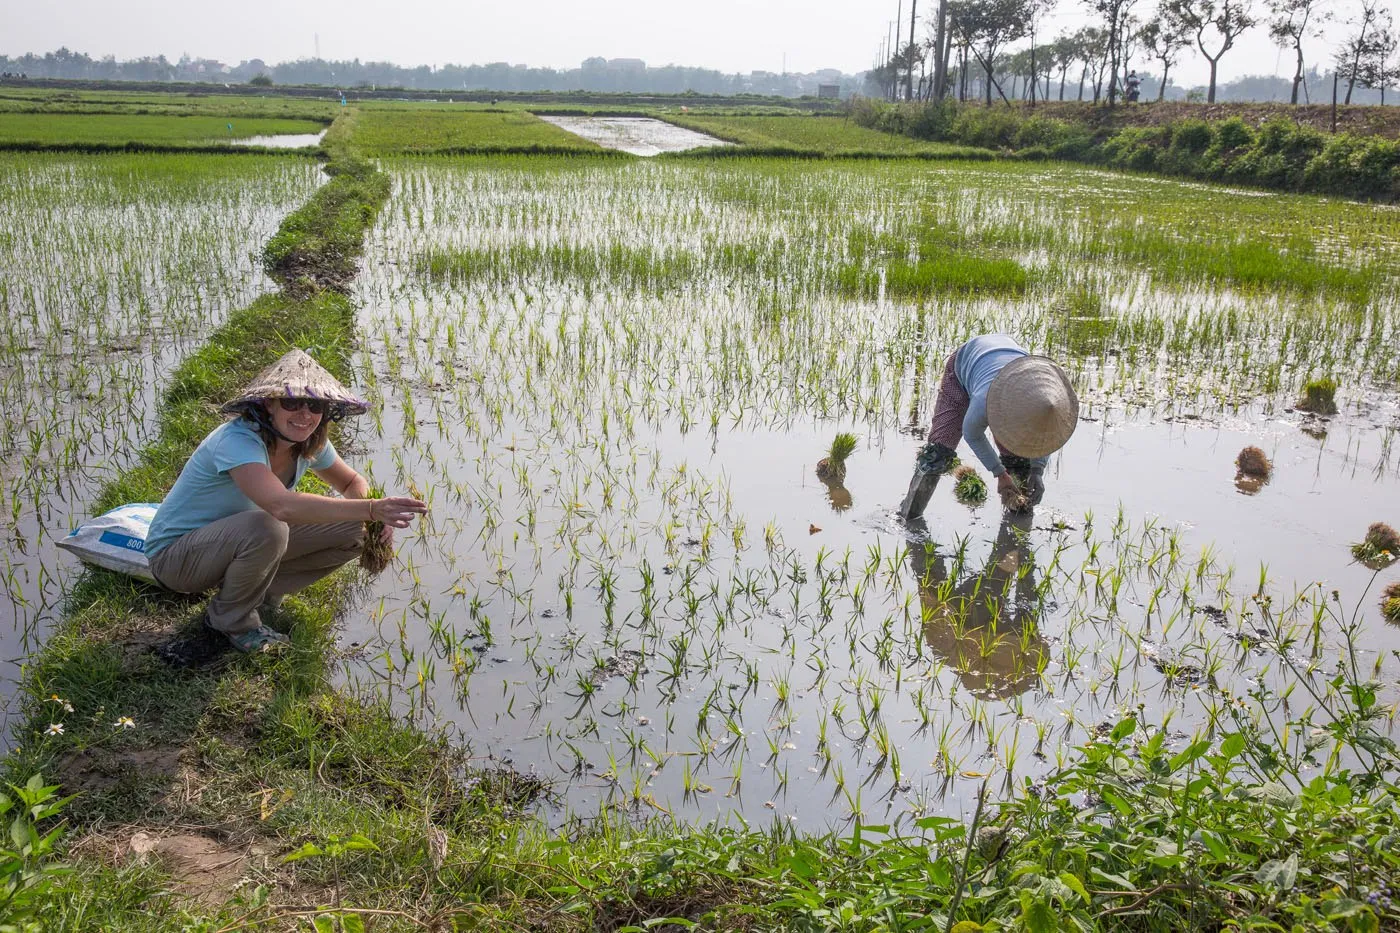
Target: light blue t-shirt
column 205, row 492
column 978, row 362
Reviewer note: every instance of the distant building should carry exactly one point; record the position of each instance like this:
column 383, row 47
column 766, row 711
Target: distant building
column 832, row 91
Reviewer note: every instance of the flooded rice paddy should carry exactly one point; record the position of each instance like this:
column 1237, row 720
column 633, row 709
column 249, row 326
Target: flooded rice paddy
column 111, row 270
column 612, row 383
column 279, row 141
column 640, row 136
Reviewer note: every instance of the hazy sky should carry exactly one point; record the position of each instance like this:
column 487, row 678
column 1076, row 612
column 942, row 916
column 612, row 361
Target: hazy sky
column 729, row 35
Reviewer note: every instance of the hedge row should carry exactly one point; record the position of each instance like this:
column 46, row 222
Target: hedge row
column 1280, row 154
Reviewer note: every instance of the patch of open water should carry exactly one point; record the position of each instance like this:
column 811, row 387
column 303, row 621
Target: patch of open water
column 749, row 723
column 640, row 136
column 279, row 141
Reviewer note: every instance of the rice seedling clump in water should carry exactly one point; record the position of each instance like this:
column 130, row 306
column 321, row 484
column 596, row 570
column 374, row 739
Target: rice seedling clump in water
column 1380, row 548
column 1319, row 396
column 1253, row 463
column 1390, row 604
column 833, row 465
column 970, row 488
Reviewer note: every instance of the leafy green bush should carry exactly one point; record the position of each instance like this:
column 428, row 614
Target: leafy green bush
column 934, row 121
column 1135, row 148
column 1042, row 131
column 1230, row 140
column 27, row 864
column 1356, row 165
column 993, row 127
column 1280, row 154
column 1193, row 136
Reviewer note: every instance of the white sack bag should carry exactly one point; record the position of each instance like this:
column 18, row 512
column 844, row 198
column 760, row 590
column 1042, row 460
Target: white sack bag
column 116, row 539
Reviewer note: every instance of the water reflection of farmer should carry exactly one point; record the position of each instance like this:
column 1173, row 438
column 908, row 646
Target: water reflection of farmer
column 234, row 520
column 985, row 627
column 1027, row 402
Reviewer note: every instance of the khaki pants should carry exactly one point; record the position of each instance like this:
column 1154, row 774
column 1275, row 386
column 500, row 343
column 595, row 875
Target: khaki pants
column 250, row 557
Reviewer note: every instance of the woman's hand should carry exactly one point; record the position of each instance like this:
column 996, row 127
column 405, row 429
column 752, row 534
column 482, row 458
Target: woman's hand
column 1010, row 491
column 386, row 536
column 395, row 511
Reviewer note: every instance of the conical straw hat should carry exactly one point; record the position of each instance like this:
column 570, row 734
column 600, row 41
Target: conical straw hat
column 297, row 375
column 1031, row 407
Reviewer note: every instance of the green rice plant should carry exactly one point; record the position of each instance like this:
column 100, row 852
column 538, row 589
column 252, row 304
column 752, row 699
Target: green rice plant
column 968, row 486
column 96, row 131
column 386, row 132
column 811, row 134
column 1319, row 396
column 832, row 467
column 950, row 273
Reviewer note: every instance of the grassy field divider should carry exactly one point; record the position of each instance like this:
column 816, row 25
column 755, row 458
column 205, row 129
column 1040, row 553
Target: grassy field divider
column 101, row 148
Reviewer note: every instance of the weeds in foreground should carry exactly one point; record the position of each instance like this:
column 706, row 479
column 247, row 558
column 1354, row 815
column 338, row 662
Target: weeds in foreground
column 28, row 864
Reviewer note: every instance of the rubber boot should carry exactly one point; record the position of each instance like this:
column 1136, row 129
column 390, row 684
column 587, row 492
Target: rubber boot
column 921, row 489
column 932, row 460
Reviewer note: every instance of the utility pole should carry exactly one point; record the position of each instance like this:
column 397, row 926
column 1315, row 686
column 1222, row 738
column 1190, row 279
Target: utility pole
column 909, row 78
column 940, row 54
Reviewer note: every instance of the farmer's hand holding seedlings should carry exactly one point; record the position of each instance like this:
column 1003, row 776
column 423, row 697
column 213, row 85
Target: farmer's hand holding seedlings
column 235, row 521
column 992, row 382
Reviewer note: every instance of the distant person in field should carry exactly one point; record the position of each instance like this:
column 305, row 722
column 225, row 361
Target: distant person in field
column 234, row 520
column 1133, row 86
column 992, row 382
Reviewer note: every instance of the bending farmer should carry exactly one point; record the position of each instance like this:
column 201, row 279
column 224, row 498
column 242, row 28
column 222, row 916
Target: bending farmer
column 1027, row 401
column 233, row 519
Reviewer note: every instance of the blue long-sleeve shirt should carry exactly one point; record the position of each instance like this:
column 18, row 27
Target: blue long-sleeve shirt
column 978, row 362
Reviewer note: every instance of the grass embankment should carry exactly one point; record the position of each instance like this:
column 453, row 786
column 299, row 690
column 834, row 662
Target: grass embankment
column 811, row 136
column 465, row 132
column 1279, row 154
column 18, row 100
column 98, row 132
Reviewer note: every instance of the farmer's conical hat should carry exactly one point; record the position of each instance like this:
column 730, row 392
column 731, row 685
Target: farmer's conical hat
column 297, row 375
column 1031, row 407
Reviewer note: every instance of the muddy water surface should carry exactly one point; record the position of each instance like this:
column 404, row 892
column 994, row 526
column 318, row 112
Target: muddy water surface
column 641, row 136
column 279, row 141
column 632, row 582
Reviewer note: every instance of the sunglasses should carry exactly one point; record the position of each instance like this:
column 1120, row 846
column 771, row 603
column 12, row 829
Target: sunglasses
column 314, row 405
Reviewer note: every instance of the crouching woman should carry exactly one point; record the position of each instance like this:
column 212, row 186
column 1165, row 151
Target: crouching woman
column 234, row 520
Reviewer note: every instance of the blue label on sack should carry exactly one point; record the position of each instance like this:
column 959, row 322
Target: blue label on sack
column 117, row 539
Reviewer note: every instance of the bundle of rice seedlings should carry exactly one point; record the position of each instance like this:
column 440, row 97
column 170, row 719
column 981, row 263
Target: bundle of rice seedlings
column 1319, row 396
column 968, row 486
column 1380, row 548
column 1253, row 462
column 1390, row 604
column 832, row 467
column 375, row 555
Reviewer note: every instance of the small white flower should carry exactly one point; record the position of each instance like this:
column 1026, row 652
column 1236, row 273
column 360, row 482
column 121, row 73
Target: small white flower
column 64, row 704
column 125, row 722
column 55, row 729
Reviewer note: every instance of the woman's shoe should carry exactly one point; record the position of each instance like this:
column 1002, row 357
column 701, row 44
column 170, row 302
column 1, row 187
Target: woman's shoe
column 260, row 639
